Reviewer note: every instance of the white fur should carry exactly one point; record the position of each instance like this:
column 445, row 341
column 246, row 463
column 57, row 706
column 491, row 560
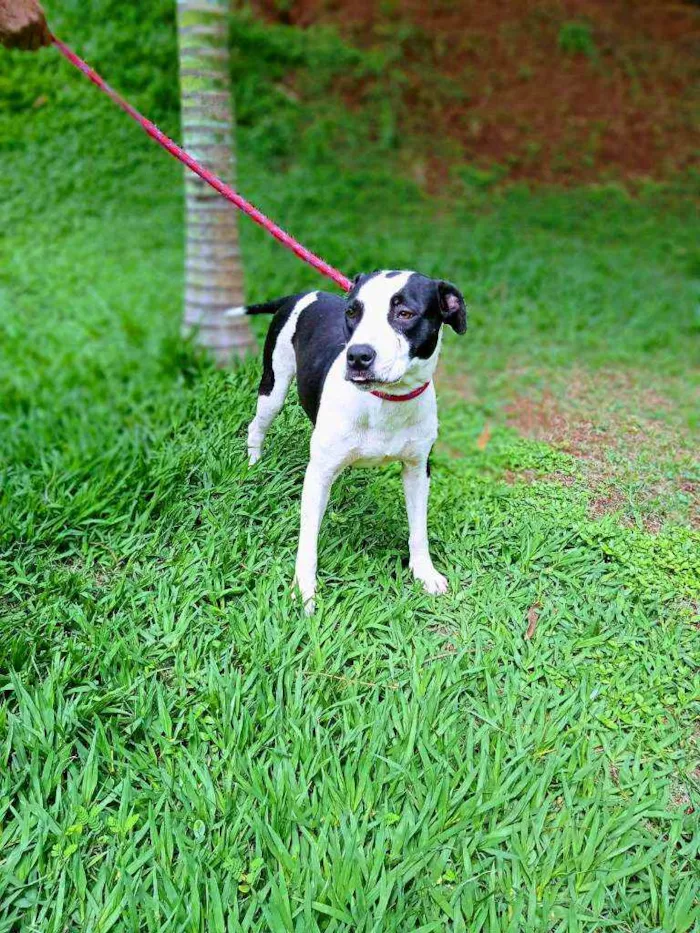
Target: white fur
column 236, row 312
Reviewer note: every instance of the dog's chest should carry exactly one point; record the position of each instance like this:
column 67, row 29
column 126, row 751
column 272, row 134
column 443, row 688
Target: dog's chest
column 382, row 435
column 362, row 430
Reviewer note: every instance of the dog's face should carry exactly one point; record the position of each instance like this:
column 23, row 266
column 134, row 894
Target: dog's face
column 393, row 322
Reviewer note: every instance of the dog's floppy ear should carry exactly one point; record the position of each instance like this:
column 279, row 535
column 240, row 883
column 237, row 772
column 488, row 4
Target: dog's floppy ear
column 452, row 307
column 364, row 275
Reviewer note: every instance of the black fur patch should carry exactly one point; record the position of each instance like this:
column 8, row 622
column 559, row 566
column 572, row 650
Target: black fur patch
column 422, row 296
column 360, row 279
column 419, row 295
column 321, row 334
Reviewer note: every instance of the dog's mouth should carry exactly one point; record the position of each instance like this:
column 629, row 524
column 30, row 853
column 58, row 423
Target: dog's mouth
column 386, row 377
column 362, row 379
column 368, row 383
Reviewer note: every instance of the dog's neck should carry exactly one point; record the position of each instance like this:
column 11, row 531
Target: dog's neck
column 418, row 373
column 402, row 397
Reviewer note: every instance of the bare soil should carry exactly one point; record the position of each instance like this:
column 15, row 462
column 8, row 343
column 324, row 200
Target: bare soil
column 562, row 91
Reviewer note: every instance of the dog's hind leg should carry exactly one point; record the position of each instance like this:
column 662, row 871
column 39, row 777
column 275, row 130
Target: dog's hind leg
column 274, row 386
column 279, row 368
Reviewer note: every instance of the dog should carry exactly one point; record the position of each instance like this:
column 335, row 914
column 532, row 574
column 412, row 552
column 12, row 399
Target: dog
column 364, row 366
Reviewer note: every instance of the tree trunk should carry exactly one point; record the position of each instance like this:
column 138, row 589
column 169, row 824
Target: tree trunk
column 213, row 269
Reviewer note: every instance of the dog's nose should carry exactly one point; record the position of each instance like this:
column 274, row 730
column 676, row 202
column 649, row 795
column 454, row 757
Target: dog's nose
column 361, row 356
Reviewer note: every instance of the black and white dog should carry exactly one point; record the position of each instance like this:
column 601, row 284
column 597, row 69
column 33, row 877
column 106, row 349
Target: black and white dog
column 364, row 366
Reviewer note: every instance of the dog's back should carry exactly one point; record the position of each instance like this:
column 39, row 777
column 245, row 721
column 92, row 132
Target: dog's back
column 305, row 337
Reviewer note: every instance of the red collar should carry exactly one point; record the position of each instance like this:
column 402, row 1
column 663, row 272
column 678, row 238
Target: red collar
column 402, row 398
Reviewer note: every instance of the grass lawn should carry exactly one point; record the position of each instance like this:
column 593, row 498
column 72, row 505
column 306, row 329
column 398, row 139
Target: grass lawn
column 180, row 748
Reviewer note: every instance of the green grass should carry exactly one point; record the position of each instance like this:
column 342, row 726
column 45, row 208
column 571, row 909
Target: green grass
column 180, row 748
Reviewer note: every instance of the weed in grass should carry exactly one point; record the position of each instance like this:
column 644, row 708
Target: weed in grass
column 576, row 38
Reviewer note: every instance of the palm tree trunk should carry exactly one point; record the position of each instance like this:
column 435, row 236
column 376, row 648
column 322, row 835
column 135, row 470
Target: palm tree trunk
column 213, row 270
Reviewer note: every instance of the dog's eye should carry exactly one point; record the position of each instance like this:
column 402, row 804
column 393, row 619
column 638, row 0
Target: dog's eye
column 352, row 311
column 405, row 314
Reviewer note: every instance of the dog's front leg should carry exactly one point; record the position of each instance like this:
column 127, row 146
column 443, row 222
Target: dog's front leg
column 416, row 484
column 314, row 499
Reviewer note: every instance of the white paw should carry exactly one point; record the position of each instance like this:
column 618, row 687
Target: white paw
column 254, row 454
column 433, row 582
column 307, row 590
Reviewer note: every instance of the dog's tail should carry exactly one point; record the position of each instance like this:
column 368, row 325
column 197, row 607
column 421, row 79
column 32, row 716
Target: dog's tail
column 267, row 307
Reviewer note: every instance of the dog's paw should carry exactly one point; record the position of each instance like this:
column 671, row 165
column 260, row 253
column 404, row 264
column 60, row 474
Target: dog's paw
column 254, row 454
column 307, row 591
column 433, row 582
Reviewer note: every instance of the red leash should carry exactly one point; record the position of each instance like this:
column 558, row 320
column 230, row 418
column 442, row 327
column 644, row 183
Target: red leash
column 216, row 183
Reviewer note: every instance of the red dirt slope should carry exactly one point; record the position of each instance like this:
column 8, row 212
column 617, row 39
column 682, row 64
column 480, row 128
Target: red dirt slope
column 554, row 90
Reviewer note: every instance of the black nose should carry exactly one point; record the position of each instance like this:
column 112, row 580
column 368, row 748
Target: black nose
column 361, row 356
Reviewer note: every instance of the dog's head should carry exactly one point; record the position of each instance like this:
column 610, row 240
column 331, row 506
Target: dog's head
column 394, row 322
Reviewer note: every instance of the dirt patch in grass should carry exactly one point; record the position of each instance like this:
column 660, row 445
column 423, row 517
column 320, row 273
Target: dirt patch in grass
column 630, row 437
column 633, row 456
column 544, row 420
column 680, row 791
column 560, row 91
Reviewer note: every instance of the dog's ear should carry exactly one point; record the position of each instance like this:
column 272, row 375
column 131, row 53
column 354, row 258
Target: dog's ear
column 452, row 307
column 364, row 275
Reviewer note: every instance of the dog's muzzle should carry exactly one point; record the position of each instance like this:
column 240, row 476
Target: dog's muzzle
column 359, row 358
